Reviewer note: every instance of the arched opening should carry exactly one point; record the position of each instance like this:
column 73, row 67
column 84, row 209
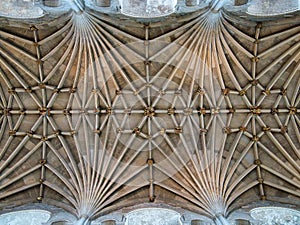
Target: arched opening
column 275, row 215
column 20, row 9
column 147, row 8
column 32, row 217
column 272, row 7
column 153, row 216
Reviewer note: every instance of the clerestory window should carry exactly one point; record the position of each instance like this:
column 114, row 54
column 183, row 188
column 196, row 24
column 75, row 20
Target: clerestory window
column 24, row 9
column 275, row 215
column 147, row 8
column 28, row 217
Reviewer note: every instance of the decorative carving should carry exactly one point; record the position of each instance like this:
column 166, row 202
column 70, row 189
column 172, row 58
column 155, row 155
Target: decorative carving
column 149, row 112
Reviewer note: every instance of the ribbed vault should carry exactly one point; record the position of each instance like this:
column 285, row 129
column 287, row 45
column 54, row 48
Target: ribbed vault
column 98, row 113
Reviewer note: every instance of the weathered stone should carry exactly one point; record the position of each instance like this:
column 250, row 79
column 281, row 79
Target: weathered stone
column 102, row 3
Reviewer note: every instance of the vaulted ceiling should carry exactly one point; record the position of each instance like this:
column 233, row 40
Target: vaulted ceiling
column 198, row 110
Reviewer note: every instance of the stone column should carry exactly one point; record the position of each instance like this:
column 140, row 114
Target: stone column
column 52, row 3
column 221, row 220
column 102, row 3
column 191, row 2
column 82, row 221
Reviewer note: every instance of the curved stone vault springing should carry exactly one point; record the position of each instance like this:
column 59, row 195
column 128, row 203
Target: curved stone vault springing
column 203, row 113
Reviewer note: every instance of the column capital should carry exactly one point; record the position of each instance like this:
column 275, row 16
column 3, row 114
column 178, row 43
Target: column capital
column 221, row 220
